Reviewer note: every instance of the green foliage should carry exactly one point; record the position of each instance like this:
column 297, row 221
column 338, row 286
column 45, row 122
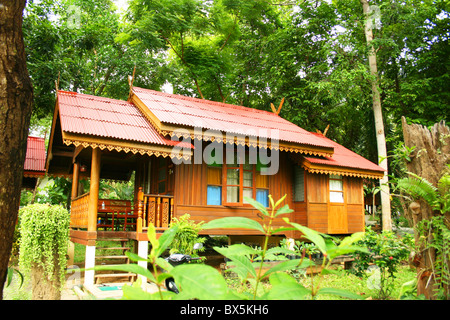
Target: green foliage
column 205, row 282
column 386, row 251
column 435, row 234
column 419, row 188
column 44, row 239
column 186, row 236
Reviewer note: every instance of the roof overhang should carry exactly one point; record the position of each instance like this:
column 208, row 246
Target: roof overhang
column 340, row 170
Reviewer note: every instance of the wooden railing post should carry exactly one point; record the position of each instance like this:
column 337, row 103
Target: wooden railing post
column 139, row 218
column 158, row 212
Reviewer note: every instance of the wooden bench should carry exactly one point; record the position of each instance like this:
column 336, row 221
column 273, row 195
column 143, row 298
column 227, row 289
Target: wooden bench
column 111, row 213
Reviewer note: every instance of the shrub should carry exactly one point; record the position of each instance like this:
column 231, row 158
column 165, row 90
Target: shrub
column 386, row 251
column 186, row 236
column 43, row 248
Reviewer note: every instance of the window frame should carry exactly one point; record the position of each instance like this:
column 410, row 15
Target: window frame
column 341, row 180
column 241, row 167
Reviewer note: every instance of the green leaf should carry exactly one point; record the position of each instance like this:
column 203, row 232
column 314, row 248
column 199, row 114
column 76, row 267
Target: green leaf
column 233, row 223
column 151, row 234
column 289, row 265
column 200, row 281
column 244, row 264
column 163, row 276
column 340, row 293
column 164, row 264
column 165, row 240
column 283, row 210
column 257, row 205
column 135, row 257
column 237, row 250
column 285, row 287
column 310, row 234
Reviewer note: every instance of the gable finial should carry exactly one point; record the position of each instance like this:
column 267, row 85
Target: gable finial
column 131, row 80
column 279, row 108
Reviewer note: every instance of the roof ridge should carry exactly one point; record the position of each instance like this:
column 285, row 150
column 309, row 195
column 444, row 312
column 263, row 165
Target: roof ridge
column 92, row 97
column 218, row 103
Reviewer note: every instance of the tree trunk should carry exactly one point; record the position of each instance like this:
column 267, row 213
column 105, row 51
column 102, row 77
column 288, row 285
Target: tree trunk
column 41, row 287
column 16, row 98
column 379, row 126
column 428, row 160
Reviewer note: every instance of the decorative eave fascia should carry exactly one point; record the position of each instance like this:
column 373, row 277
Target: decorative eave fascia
column 125, row 146
column 168, row 130
column 342, row 171
column 33, row 174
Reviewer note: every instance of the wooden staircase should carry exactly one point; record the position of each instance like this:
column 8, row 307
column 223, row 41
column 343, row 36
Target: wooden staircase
column 106, row 256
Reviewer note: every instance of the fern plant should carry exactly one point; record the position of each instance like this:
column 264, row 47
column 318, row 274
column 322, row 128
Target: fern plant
column 417, row 187
column 434, row 233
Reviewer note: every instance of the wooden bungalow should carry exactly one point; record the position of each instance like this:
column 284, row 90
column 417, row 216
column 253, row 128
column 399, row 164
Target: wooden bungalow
column 198, row 157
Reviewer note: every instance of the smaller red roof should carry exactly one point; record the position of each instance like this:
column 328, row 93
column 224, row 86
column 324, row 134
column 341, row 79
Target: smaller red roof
column 343, row 157
column 35, row 156
column 109, row 118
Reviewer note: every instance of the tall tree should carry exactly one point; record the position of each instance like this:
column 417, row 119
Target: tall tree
column 16, row 97
column 379, row 123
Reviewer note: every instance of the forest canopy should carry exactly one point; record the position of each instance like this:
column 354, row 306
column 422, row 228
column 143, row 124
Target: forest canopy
column 252, row 53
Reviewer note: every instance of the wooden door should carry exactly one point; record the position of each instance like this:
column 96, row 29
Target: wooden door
column 337, row 219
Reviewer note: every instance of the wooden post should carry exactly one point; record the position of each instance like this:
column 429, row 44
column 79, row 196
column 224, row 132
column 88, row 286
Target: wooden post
column 139, row 218
column 94, row 189
column 75, row 179
column 158, row 212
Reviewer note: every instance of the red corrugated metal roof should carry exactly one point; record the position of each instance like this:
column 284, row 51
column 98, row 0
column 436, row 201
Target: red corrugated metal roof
column 35, row 156
column 109, row 118
column 193, row 112
column 343, row 157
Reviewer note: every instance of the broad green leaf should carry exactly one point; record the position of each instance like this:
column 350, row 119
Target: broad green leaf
column 166, row 239
column 245, row 264
column 347, row 241
column 332, row 271
column 338, row 251
column 151, row 234
column 285, row 287
column 233, row 222
column 289, row 265
column 283, row 229
column 237, row 250
column 257, row 205
column 164, row 264
column 283, row 210
column 278, row 250
column 340, row 293
column 310, row 234
column 163, row 276
column 135, row 257
column 200, row 281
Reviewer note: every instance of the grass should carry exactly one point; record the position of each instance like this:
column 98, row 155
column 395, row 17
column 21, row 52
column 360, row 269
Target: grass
column 347, row 282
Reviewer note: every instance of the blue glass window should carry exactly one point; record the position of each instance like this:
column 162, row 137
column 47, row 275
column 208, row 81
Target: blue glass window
column 214, row 196
column 262, row 196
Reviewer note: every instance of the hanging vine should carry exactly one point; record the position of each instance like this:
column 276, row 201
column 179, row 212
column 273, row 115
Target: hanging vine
column 44, row 239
